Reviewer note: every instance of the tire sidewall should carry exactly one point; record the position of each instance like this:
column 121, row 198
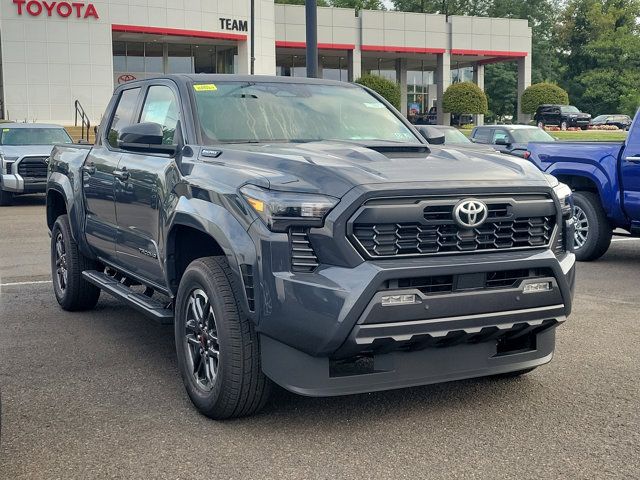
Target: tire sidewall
column 61, row 226
column 196, row 278
column 596, row 226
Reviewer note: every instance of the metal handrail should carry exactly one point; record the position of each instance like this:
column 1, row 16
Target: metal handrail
column 86, row 123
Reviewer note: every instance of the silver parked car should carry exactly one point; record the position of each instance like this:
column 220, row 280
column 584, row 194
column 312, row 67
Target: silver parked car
column 24, row 152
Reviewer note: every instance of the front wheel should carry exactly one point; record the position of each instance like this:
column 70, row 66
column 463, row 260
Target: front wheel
column 72, row 291
column 593, row 230
column 541, row 124
column 563, row 126
column 217, row 346
column 6, row 198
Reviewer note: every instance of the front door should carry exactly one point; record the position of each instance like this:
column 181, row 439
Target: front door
column 630, row 173
column 98, row 179
column 145, row 184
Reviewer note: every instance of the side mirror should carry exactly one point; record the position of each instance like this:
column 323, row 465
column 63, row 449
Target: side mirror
column 431, row 135
column 145, row 138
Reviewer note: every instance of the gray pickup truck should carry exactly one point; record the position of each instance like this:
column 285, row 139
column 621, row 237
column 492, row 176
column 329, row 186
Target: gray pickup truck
column 303, row 232
column 24, row 152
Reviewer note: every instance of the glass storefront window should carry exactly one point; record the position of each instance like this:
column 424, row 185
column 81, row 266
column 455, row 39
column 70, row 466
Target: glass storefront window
column 135, row 57
column 179, row 58
column 153, row 58
column 119, row 56
column 204, row 58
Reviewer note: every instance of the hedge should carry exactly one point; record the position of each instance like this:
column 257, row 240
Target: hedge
column 465, row 97
column 386, row 88
column 540, row 94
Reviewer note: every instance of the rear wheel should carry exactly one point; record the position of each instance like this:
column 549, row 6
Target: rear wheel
column 67, row 264
column 6, row 198
column 217, row 347
column 593, row 231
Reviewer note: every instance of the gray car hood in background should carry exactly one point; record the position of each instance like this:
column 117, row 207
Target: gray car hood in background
column 18, row 151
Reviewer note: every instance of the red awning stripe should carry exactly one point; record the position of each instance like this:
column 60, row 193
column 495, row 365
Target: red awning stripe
column 385, row 48
column 178, row 32
column 321, row 46
column 488, row 53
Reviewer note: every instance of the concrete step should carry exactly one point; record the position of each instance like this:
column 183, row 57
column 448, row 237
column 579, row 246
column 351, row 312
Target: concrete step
column 76, row 133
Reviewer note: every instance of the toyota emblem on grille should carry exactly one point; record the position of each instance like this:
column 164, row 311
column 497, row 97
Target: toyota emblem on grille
column 470, row 213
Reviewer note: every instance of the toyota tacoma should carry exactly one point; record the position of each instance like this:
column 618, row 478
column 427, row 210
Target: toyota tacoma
column 302, row 232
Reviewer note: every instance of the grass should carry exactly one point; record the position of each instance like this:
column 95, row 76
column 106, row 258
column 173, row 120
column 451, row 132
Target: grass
column 586, row 135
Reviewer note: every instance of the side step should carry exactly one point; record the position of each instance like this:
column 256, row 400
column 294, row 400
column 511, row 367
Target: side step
column 148, row 306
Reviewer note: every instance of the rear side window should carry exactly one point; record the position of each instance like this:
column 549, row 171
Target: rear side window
column 161, row 107
column 482, row 135
column 124, row 114
column 500, row 135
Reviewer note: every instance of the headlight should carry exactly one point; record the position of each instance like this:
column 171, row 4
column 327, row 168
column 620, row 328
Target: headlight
column 5, row 163
column 565, row 197
column 280, row 210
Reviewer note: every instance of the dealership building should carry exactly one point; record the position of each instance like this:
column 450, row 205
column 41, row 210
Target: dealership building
column 58, row 54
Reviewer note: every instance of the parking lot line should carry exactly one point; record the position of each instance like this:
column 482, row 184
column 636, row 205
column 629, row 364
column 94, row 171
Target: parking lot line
column 14, row 284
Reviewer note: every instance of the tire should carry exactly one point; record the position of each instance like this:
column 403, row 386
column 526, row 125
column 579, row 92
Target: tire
column 563, row 126
column 593, row 229
column 228, row 381
column 517, row 373
column 6, row 198
column 72, row 291
column 541, row 124
column 584, row 127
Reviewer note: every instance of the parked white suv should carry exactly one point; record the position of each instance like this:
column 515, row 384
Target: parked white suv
column 24, row 153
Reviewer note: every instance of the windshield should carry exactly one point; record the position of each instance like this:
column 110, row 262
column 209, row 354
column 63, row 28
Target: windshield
column 34, row 136
column 235, row 112
column 453, row 135
column 531, row 135
column 569, row 109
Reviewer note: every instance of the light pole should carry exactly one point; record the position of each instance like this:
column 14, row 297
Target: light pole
column 311, row 9
column 252, row 45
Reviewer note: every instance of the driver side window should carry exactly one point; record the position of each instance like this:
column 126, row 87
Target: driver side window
column 161, row 107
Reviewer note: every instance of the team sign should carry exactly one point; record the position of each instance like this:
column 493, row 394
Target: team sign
column 232, row 24
column 62, row 9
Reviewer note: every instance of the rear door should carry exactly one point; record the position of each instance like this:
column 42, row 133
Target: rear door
column 98, row 180
column 141, row 197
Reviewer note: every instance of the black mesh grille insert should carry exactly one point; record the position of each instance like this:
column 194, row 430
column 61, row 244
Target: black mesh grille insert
column 247, row 279
column 33, row 167
column 303, row 258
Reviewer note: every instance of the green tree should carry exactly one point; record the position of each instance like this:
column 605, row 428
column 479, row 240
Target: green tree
column 541, row 93
column 501, row 87
column 444, row 7
column 386, row 88
column 321, row 3
column 464, row 97
column 359, row 4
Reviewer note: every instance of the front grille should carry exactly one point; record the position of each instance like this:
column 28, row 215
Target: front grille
column 559, row 248
column 438, row 284
column 33, row 167
column 510, row 224
column 303, row 258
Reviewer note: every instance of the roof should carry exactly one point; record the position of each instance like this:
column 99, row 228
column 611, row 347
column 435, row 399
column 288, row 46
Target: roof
column 28, row 125
column 509, row 127
column 225, row 77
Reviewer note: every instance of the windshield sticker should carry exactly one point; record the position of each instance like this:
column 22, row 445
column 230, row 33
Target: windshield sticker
column 205, row 87
column 373, row 105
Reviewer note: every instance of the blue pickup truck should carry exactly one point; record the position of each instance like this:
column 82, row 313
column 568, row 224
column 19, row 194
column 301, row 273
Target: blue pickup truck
column 605, row 178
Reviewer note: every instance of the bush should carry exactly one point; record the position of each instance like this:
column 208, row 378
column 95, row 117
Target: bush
column 465, row 97
column 540, row 94
column 386, row 88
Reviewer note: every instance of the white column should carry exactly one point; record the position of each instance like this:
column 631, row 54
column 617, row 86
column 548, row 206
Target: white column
column 478, row 79
column 524, row 81
column 443, row 80
column 354, row 64
column 401, row 79
column 244, row 58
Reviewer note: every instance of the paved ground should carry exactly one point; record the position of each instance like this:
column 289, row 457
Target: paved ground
column 97, row 395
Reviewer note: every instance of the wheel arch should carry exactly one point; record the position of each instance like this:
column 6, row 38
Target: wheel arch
column 56, row 206
column 194, row 236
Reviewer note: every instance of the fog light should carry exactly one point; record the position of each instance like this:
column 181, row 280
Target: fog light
column 537, row 287
column 391, row 300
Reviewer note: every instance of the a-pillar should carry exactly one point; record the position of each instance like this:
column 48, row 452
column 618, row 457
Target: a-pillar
column 354, row 64
column 524, row 81
column 478, row 79
column 443, row 80
column 401, row 79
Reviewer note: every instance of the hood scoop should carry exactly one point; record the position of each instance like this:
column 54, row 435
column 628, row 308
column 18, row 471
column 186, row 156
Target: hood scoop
column 400, row 150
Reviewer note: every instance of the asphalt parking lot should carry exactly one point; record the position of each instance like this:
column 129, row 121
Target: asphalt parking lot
column 97, row 395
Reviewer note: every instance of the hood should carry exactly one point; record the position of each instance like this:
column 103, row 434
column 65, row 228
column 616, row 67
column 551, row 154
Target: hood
column 333, row 168
column 26, row 150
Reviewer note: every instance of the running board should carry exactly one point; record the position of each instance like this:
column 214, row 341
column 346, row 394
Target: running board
column 148, row 306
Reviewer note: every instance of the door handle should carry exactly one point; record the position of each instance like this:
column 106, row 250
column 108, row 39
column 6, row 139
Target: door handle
column 633, row 159
column 89, row 168
column 121, row 175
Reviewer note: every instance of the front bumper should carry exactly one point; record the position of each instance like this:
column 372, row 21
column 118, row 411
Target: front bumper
column 17, row 184
column 318, row 323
